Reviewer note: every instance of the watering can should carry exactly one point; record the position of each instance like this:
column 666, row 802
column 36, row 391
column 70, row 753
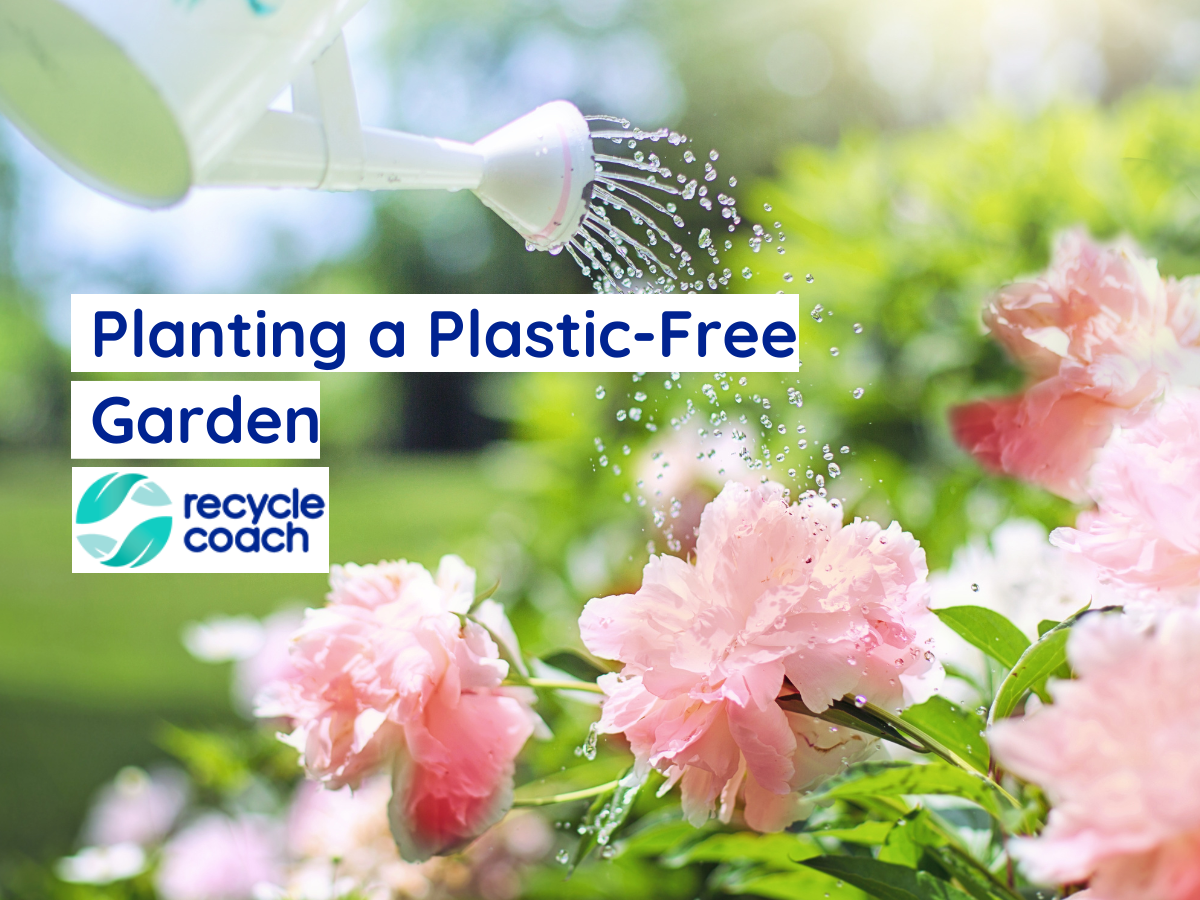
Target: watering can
column 144, row 99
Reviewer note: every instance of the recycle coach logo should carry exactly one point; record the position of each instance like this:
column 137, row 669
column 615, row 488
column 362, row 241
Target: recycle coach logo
column 103, row 498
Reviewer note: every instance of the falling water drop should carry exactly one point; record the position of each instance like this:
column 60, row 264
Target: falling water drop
column 858, row 328
column 746, row 273
column 857, row 393
column 833, row 351
column 714, row 155
column 787, row 276
column 600, row 392
column 809, row 278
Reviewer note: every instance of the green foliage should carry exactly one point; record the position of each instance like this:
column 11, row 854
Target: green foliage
column 988, row 630
column 956, row 728
column 909, row 233
column 887, row 881
column 899, row 779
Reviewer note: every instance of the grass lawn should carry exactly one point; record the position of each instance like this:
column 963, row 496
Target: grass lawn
column 89, row 664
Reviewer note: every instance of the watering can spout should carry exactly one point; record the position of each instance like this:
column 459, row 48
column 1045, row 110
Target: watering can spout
column 534, row 172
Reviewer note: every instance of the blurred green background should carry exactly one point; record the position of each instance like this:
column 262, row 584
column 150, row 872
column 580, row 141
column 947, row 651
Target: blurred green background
column 914, row 157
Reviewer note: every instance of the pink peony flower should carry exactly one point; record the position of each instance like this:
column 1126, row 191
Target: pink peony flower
column 136, row 808
column 1144, row 535
column 341, row 844
column 1093, row 333
column 1116, row 755
column 272, row 662
column 776, row 592
column 389, row 676
column 218, row 858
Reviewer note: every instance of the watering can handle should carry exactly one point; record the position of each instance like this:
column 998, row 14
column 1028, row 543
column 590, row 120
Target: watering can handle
column 325, row 91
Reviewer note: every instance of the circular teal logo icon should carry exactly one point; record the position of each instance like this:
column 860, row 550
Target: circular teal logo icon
column 141, row 543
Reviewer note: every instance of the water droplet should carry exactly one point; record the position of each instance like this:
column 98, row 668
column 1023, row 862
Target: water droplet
column 733, row 181
column 975, row 588
column 705, row 237
column 809, row 278
column 852, row 660
column 767, row 207
column 857, row 328
column 845, row 448
column 689, row 156
column 833, row 351
column 714, row 155
column 563, row 857
column 600, row 392
column 621, row 415
column 640, row 397
column 834, row 470
column 857, row 393
column 787, row 276
column 746, row 273
column 860, row 701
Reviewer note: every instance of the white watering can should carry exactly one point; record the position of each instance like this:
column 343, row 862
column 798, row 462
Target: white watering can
column 142, row 99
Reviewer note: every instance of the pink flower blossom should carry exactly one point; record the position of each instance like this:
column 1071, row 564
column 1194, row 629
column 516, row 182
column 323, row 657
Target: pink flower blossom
column 218, row 858
column 1144, row 535
column 776, row 592
column 272, row 661
column 341, row 844
column 1093, row 334
column 136, row 808
column 389, row 676
column 1116, row 756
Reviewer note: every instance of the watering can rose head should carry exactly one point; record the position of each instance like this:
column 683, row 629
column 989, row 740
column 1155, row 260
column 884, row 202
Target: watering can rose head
column 781, row 599
column 391, row 676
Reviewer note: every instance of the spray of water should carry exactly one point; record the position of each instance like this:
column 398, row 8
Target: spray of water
column 636, row 194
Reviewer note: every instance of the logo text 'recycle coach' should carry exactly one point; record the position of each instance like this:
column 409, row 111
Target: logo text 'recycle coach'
column 201, row 519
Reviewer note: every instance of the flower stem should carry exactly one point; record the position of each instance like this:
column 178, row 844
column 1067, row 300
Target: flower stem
column 933, row 745
column 567, row 797
column 551, row 684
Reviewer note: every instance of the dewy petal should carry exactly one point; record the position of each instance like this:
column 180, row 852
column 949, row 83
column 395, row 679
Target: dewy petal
column 1144, row 534
column 775, row 589
column 387, row 674
column 456, row 580
column 766, row 742
column 1115, row 755
column 455, row 779
column 1101, row 335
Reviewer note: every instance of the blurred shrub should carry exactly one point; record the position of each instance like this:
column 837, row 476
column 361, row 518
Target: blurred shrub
column 909, row 233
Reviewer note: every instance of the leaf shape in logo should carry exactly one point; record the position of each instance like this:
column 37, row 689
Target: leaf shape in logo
column 143, row 543
column 104, row 497
column 150, row 494
column 98, row 546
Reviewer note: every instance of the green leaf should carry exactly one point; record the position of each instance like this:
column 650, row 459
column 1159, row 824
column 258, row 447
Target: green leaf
column 869, row 833
column 142, row 544
column 897, row 779
column 1045, row 625
column 104, row 497
column 798, row 885
column 574, row 664
column 988, row 630
column 576, row 778
column 777, row 851
column 956, row 728
column 886, row 881
column 1038, row 663
column 606, row 816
